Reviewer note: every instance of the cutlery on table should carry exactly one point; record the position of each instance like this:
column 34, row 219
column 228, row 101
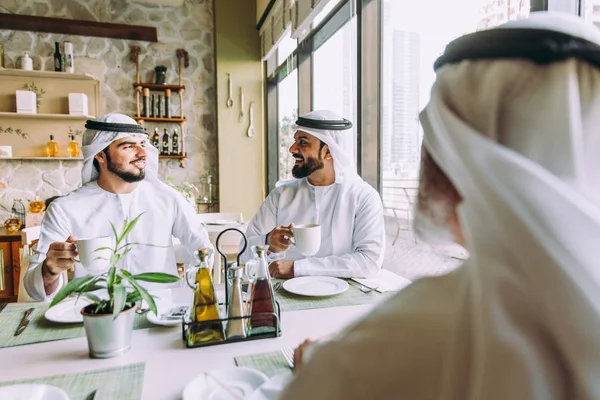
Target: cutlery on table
column 3, row 306
column 24, row 322
column 288, row 354
column 92, row 395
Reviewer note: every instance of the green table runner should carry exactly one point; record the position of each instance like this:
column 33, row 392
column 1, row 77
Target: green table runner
column 351, row 297
column 271, row 363
column 113, row 383
column 40, row 329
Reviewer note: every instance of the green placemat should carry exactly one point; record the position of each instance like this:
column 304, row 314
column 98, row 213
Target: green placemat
column 271, row 363
column 40, row 329
column 351, row 297
column 110, row 384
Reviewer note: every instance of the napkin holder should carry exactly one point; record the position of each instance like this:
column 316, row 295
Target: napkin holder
column 188, row 326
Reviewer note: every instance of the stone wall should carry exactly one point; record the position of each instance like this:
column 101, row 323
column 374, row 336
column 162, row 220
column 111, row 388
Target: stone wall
column 189, row 26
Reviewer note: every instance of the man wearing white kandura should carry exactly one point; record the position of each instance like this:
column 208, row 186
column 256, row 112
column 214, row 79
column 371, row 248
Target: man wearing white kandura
column 120, row 181
column 511, row 170
column 327, row 191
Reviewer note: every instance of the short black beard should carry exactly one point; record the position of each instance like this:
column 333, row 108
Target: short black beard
column 127, row 176
column 310, row 165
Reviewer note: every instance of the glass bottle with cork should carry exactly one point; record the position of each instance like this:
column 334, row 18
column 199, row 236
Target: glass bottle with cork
column 52, row 147
column 236, row 326
column 262, row 299
column 73, row 147
column 205, row 326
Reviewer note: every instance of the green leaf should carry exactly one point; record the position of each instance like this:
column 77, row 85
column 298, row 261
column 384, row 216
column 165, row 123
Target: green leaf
column 140, row 244
column 92, row 297
column 120, row 296
column 133, row 297
column 72, row 287
column 116, row 235
column 129, row 227
column 102, row 248
column 156, row 277
column 115, row 258
column 147, row 297
column 110, row 281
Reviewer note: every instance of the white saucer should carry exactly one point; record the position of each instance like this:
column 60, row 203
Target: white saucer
column 164, row 308
column 32, row 392
column 67, row 311
column 315, row 286
column 239, row 380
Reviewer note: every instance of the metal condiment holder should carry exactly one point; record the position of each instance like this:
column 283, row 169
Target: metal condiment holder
column 187, row 325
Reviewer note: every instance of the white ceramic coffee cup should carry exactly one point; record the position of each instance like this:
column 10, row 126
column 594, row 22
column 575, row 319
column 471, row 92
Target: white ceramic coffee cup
column 307, row 239
column 93, row 260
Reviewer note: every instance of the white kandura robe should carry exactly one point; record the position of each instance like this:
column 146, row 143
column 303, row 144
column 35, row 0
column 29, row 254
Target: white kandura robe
column 351, row 219
column 88, row 211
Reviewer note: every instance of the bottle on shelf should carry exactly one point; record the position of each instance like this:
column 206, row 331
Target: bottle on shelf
column 146, row 103
column 165, row 143
column 152, row 105
column 69, row 63
column 58, row 62
column 52, row 147
column 175, row 149
column 167, row 103
column 26, row 62
column 159, row 107
column 156, row 139
column 204, row 315
column 73, row 147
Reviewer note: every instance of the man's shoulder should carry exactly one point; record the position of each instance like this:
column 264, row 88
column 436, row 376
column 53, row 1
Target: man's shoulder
column 362, row 189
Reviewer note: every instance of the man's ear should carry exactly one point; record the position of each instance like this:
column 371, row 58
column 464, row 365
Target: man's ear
column 100, row 157
column 327, row 153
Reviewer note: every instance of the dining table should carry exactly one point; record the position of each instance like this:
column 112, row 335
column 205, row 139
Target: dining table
column 159, row 365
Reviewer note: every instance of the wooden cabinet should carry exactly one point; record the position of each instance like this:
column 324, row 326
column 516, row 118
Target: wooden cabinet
column 10, row 265
column 29, row 133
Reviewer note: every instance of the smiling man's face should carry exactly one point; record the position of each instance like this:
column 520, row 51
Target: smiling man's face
column 308, row 151
column 126, row 158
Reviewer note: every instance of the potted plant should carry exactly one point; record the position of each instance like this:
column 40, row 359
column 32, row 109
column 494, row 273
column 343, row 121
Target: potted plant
column 109, row 321
column 187, row 190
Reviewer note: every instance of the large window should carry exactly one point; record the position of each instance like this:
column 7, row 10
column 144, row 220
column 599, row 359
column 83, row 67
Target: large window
column 334, row 74
column 288, row 113
column 413, row 37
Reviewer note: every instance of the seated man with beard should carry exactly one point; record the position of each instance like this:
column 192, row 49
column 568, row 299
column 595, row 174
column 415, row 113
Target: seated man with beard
column 327, row 191
column 119, row 178
column 510, row 169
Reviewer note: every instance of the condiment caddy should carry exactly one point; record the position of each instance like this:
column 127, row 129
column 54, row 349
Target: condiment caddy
column 257, row 317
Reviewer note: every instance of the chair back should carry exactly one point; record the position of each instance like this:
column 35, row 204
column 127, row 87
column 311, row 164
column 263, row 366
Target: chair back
column 221, row 216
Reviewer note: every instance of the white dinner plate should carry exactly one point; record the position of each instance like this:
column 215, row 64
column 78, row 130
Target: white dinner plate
column 32, row 392
column 224, row 384
column 222, row 222
column 163, row 311
column 67, row 311
column 315, row 286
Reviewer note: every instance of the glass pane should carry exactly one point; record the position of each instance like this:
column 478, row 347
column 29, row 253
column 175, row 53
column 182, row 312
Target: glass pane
column 334, row 75
column 413, row 37
column 287, row 96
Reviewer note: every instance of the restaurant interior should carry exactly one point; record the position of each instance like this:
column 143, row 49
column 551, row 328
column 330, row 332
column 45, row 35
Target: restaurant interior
column 218, row 86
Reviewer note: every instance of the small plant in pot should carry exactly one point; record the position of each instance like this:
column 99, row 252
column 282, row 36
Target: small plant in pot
column 109, row 321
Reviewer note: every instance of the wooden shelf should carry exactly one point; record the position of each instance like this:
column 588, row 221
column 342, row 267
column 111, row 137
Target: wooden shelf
column 157, row 86
column 175, row 120
column 180, row 158
column 44, row 158
column 4, row 114
column 44, row 74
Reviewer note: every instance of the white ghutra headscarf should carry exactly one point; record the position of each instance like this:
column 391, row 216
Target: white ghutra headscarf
column 336, row 133
column 521, row 144
column 105, row 130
